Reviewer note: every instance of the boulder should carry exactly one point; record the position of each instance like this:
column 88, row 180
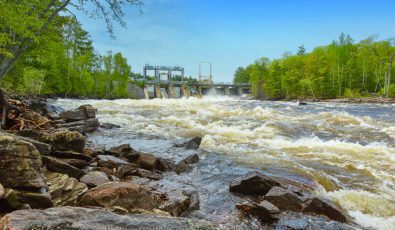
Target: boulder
column 111, row 161
column 185, row 164
column 193, row 143
column 64, row 190
column 109, row 126
column 94, row 179
column 120, row 150
column 165, row 165
column 284, row 199
column 17, row 199
column 145, row 174
column 81, row 164
column 56, row 165
column 94, row 219
column 253, row 183
column 177, row 203
column 85, row 126
column 84, row 112
column 20, row 164
column 64, row 140
column 317, row 206
column 265, row 210
column 72, row 155
column 126, row 170
column 147, row 161
column 43, row 148
column 2, row 191
column 123, row 194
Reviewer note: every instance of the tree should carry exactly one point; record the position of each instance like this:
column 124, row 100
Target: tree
column 240, row 76
column 23, row 22
column 301, row 50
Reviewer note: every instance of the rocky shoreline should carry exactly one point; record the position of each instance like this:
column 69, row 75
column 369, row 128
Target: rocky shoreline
column 51, row 179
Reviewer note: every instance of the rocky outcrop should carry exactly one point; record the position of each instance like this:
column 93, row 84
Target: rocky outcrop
column 94, row 179
column 123, row 194
column 43, row 148
column 64, row 140
column 20, row 164
column 253, row 183
column 64, row 190
column 83, row 112
column 94, row 219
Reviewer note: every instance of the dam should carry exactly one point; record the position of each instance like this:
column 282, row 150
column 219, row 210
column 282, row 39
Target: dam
column 170, row 82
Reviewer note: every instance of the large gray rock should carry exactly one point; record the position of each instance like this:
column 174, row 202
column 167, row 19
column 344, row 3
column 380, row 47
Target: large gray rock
column 123, row 194
column 64, row 140
column 94, row 179
column 253, row 183
column 94, row 219
column 20, row 164
column 64, row 190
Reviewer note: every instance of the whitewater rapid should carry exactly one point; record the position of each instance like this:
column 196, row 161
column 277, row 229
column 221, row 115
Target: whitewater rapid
column 348, row 149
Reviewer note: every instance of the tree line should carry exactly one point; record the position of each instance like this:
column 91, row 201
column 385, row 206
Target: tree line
column 341, row 69
column 45, row 50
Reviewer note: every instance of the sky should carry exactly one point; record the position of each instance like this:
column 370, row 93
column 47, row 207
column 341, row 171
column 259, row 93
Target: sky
column 233, row 33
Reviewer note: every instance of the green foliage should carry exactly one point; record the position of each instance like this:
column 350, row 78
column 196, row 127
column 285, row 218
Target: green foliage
column 341, row 69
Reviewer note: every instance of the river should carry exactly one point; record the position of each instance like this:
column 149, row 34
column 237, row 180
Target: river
column 349, row 149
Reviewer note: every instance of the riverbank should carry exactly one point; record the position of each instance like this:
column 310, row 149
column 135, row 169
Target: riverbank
column 99, row 176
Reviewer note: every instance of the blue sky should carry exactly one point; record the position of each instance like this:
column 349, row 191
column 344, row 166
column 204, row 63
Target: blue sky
column 232, row 33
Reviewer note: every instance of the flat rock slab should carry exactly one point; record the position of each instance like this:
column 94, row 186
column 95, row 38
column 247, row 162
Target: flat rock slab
column 94, row 219
column 94, row 179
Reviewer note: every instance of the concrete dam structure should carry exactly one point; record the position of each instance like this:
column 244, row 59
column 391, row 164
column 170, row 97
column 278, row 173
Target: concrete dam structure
column 166, row 84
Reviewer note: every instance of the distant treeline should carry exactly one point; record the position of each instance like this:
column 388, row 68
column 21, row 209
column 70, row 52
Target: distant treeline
column 341, row 69
column 63, row 62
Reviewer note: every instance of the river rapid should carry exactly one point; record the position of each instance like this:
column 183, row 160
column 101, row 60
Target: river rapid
column 349, row 149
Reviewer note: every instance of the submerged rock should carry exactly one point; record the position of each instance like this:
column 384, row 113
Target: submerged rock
column 64, row 140
column 94, row 179
column 123, row 194
column 64, row 190
column 94, row 219
column 20, row 164
column 253, row 183
column 86, row 126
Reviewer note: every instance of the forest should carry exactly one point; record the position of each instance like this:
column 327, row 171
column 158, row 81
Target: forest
column 342, row 69
column 61, row 60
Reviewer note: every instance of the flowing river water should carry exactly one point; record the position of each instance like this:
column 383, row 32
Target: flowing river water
column 349, row 149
